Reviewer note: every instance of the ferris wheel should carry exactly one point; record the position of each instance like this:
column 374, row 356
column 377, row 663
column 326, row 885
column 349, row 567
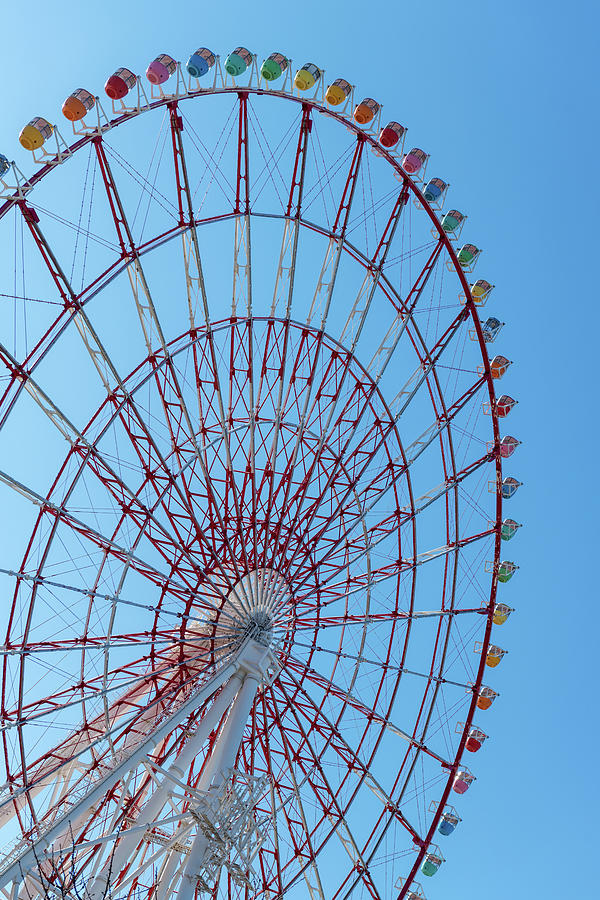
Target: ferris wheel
column 252, row 470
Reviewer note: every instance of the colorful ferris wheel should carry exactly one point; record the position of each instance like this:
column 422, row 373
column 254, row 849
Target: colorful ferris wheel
column 252, row 465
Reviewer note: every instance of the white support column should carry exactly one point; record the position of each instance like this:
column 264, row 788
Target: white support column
column 128, row 843
column 166, row 876
column 27, row 854
column 223, row 758
column 229, row 740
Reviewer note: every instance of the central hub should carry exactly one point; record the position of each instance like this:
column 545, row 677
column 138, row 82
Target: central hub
column 259, row 626
column 257, row 606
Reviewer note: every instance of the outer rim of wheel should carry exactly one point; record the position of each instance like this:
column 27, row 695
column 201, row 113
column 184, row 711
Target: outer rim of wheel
column 470, row 308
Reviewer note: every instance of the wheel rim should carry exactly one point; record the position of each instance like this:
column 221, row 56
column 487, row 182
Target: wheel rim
column 346, row 469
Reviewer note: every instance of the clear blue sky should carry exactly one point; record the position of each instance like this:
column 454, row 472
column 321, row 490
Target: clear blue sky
column 506, row 95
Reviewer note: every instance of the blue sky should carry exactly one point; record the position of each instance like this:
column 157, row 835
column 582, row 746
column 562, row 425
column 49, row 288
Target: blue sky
column 504, row 95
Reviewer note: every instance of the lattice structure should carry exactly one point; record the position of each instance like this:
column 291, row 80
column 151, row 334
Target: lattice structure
column 252, row 454
column 226, row 817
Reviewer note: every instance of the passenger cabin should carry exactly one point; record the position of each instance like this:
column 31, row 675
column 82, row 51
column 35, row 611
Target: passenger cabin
column 499, row 365
column 307, row 76
column 506, row 570
column 462, row 781
column 35, row 134
column 434, row 189
column 494, row 656
column 200, row 62
column 365, row 111
column 481, row 290
column 508, row 529
column 431, row 864
column 501, row 613
column 120, row 83
column 475, row 739
column 510, row 486
column 274, row 66
column 486, row 697
column 238, row 61
column 451, row 220
column 413, row 161
column 448, row 823
column 467, row 255
column 508, row 445
column 491, row 328
column 78, row 104
column 161, row 69
column 338, row 92
column 391, row 134
column 504, row 404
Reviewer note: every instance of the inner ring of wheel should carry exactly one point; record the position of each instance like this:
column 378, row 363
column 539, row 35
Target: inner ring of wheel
column 384, row 433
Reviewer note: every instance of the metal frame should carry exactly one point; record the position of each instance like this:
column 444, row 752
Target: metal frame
column 121, row 400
